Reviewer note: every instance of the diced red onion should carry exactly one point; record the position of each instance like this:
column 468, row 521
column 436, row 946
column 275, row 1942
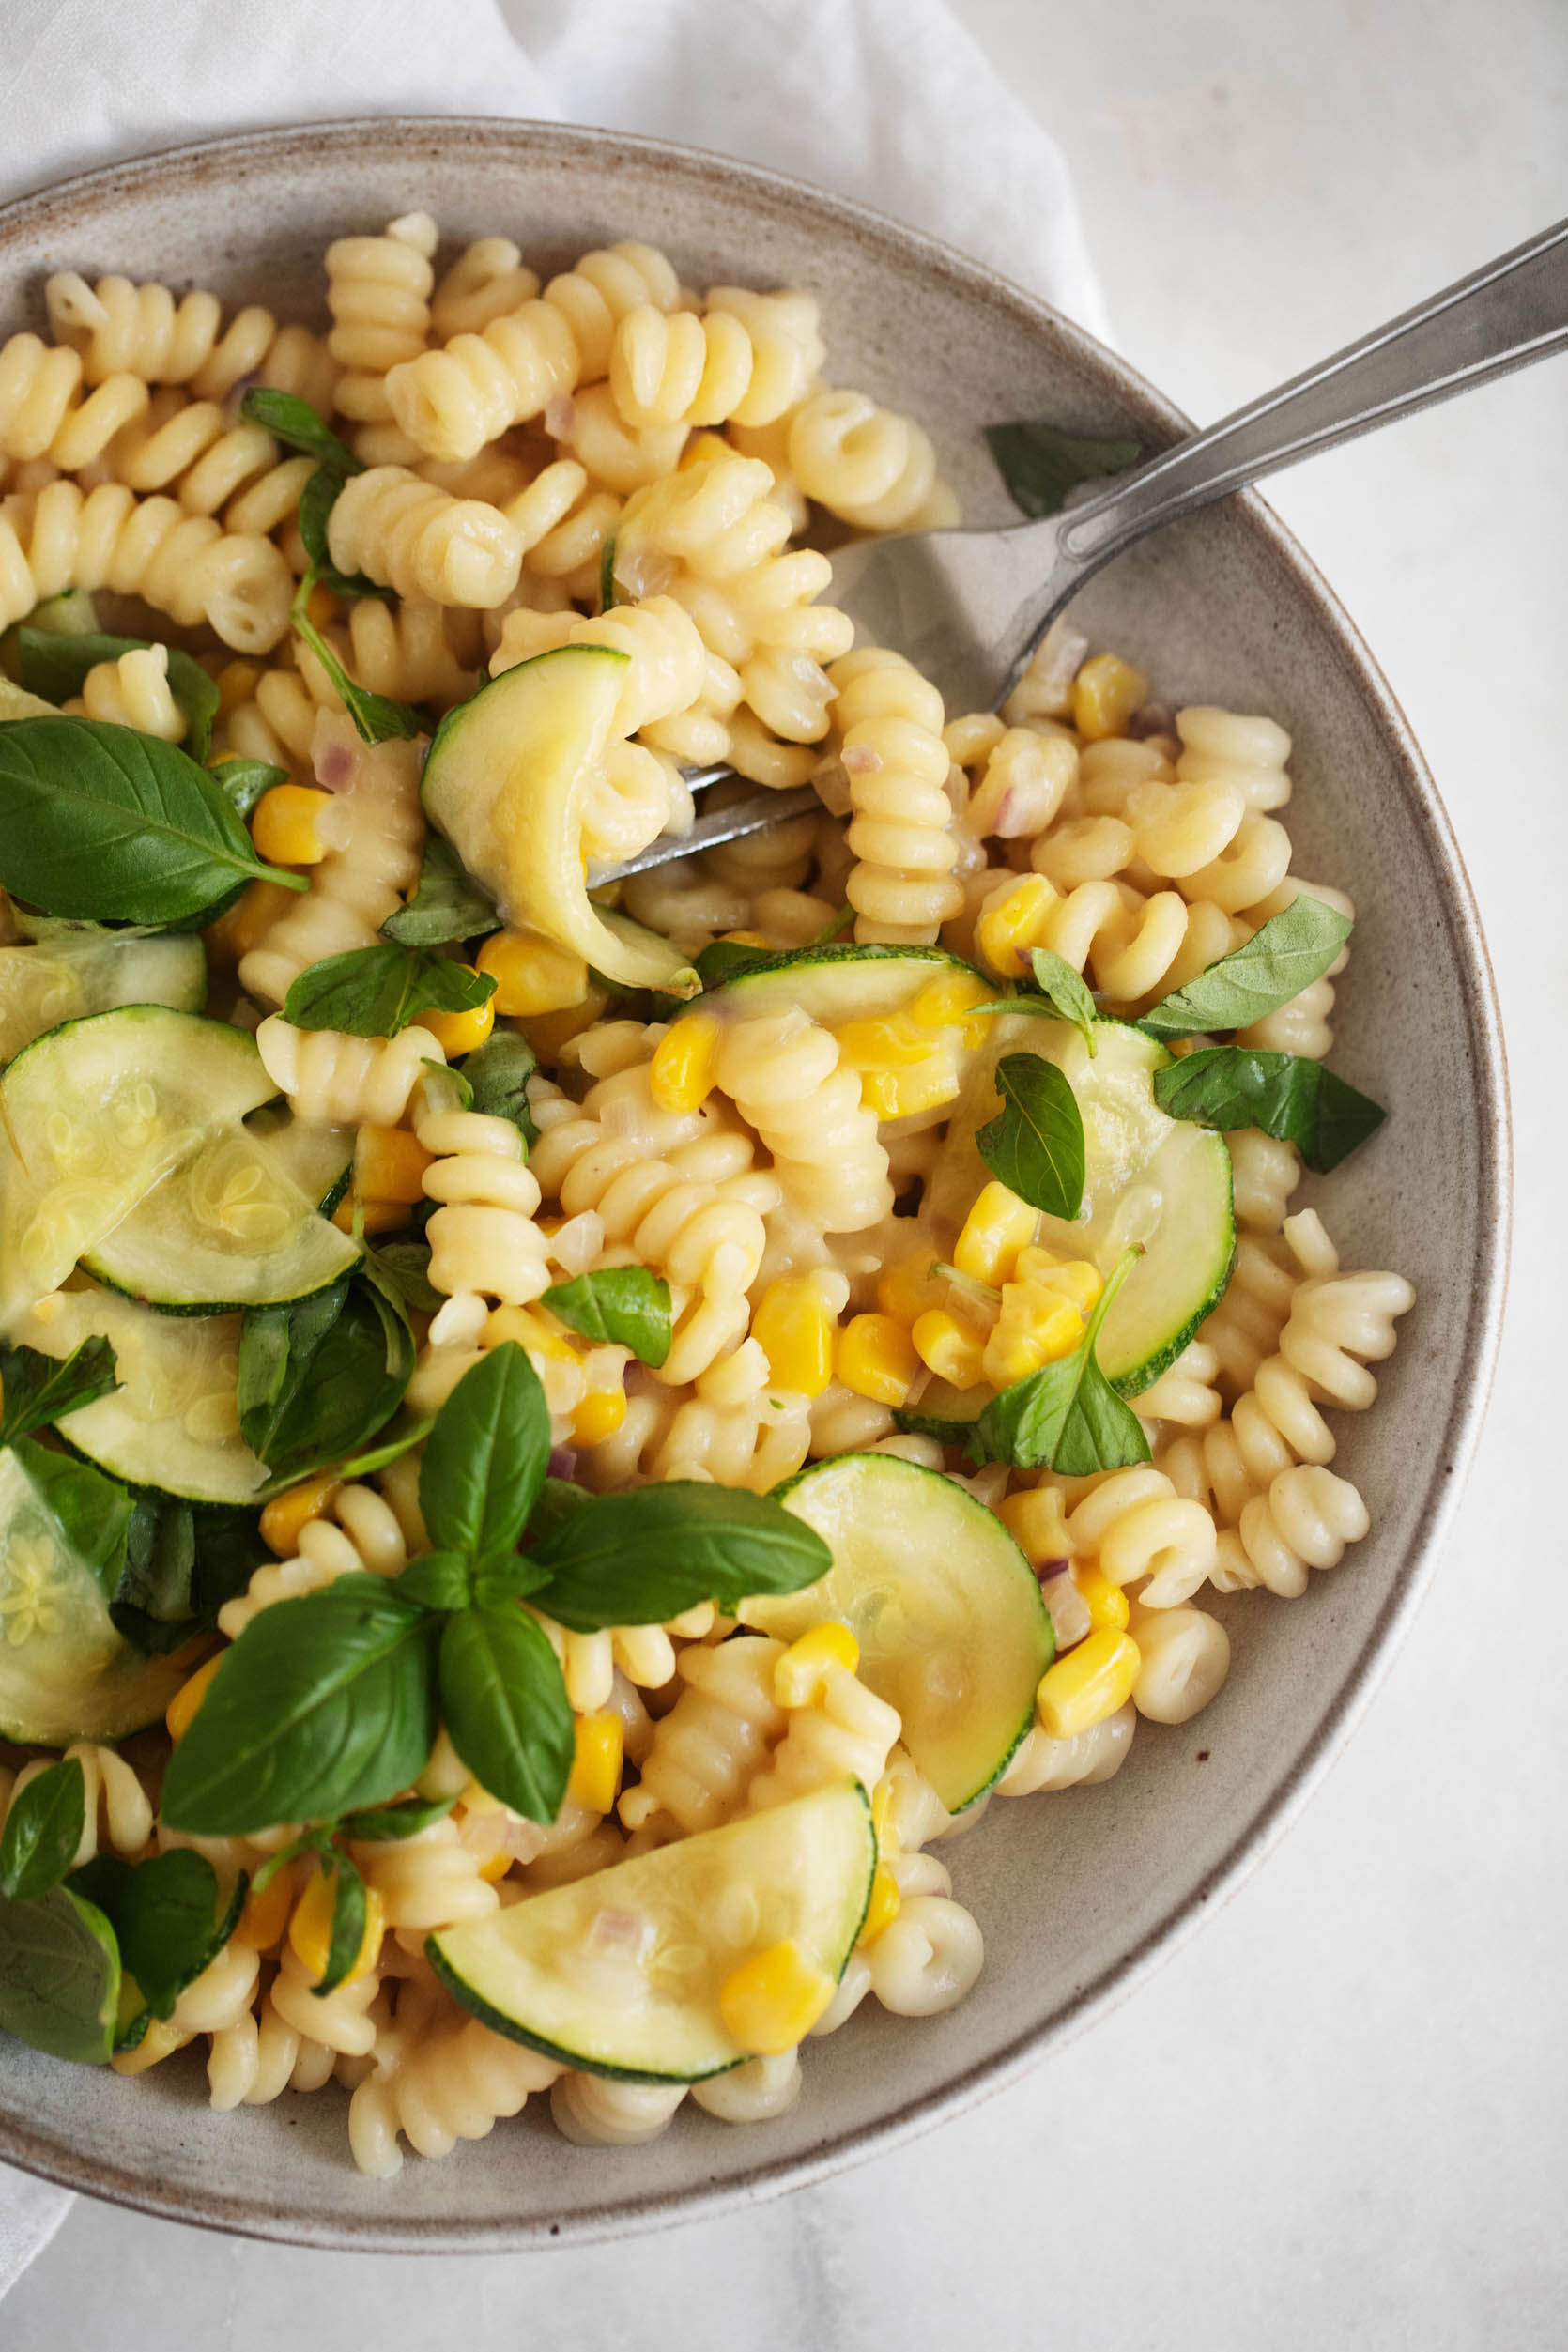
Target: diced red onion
column 563, row 1462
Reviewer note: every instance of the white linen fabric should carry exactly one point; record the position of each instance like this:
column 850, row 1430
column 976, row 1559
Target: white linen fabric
column 889, row 101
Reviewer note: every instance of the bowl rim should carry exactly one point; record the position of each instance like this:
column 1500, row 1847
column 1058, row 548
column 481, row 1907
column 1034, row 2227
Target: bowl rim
column 51, row 2158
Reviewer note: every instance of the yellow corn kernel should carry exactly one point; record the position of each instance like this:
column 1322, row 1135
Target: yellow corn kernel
column 189, row 1697
column 876, row 1359
column 1033, row 1517
column 681, row 1075
column 902, row 1068
column 883, row 1908
column 390, row 1164
column 266, row 1916
column 908, row 1289
column 160, row 2040
column 236, row 683
column 286, row 1513
column 1105, row 694
column 795, row 1331
column 745, row 939
column 1034, row 1328
column 531, row 974
column 321, row 606
column 995, row 1231
column 310, row 1930
column 286, row 826
column 598, row 1744
column 599, row 1417
column 772, row 2002
column 1078, row 1280
column 1089, row 1685
column 530, row 1330
column 798, row 1676
column 462, row 1032
column 1106, row 1603
column 953, row 1350
column 1017, row 923
column 550, row 1033
column 944, row 1003
column 497, row 1867
column 249, row 920
column 374, row 1215
column 702, row 449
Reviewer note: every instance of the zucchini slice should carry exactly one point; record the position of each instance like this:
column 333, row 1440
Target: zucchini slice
column 505, row 781
column 319, row 1160
column 621, row 1973
column 947, row 1611
column 1147, row 1178
column 61, row 978
column 65, row 1673
column 173, row 1425
column 837, row 983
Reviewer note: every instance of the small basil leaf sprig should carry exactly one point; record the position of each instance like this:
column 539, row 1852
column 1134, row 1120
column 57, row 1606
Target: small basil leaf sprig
column 36, row 1390
column 497, row 1074
column 92, row 1511
column 59, row 1976
column 101, row 822
column 1284, row 955
column 637, row 1558
column 1040, row 464
column 242, row 782
column 42, row 1832
column 447, row 905
column 379, row 991
column 169, row 1919
column 54, row 664
column 180, row 1566
column 320, row 1380
column 1035, row 1145
column 1058, row 994
column 626, row 1305
column 296, row 423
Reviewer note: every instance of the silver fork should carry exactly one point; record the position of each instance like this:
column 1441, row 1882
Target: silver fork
column 969, row 607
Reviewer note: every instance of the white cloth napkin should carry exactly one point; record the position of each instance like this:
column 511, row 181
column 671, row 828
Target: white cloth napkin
column 887, row 100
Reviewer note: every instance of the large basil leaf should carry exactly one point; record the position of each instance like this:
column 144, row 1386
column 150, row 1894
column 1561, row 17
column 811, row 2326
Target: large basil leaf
column 181, row 1565
column 1034, row 1146
column 42, row 1831
column 319, row 1379
column 1289, row 951
column 92, row 1511
column 448, row 904
column 628, row 1306
column 639, row 1558
column 379, row 992
column 485, row 1459
column 497, row 1074
column 505, row 1709
column 59, row 1976
column 35, row 1390
column 1065, row 1417
column 166, row 1917
column 1287, row 1096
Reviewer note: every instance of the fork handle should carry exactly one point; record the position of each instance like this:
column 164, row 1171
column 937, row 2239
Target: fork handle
column 1501, row 317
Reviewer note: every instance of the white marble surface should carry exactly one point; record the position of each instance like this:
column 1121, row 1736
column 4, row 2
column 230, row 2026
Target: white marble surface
column 1338, row 2116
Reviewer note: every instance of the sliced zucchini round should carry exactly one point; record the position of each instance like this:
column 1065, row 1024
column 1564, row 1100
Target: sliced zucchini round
column 61, row 978
column 1148, row 1178
column 173, row 1425
column 319, row 1160
column 952, row 1629
column 65, row 1673
column 836, row 983
column 621, row 1973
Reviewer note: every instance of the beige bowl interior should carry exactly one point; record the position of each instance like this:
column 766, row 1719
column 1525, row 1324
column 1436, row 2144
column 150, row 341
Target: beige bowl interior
column 1076, row 1894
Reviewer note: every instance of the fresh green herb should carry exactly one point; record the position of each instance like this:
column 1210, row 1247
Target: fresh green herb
column 323, row 1705
column 448, row 904
column 1064, row 991
column 55, row 666
column 639, row 1558
column 606, row 574
column 42, row 1832
column 406, row 1265
column 180, row 1566
column 316, row 501
column 722, row 959
column 411, row 1431
column 438, row 1581
column 498, row 1071
column 35, row 1390
column 167, row 1916
column 379, row 991
column 59, row 1976
column 1290, row 951
column 319, row 1379
column 92, row 1511
column 377, row 717
column 1035, row 1143
column 505, row 1708
column 1040, row 464
column 296, row 423
column 101, row 822
column 348, row 1926
column 485, row 1460
column 1067, row 1417
column 1287, row 1096
column 558, row 1498
column 842, row 921
column 626, row 1305
column 242, row 782
column 385, row 1822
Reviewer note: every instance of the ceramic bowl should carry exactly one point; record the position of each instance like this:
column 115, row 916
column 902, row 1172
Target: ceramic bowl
column 1079, row 1895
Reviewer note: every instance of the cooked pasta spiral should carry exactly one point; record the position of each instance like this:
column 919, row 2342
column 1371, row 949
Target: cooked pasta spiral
column 1082, row 1762
column 752, row 1443
column 710, row 1747
column 117, row 1810
column 142, row 331
column 378, row 293
column 889, row 722
column 1248, row 755
column 844, row 1730
column 450, row 2079
column 488, row 280
column 357, row 1532
column 1134, row 1524
column 185, row 565
column 39, row 414
column 414, row 537
column 484, row 1242
column 430, row 1879
column 870, row 465
column 928, row 1958
column 421, row 652
column 784, row 1076
column 334, row 1080
column 595, row 2112
column 738, row 360
column 133, row 691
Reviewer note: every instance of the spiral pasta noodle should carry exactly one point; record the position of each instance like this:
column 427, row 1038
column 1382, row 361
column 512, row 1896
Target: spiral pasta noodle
column 423, row 542
column 738, row 360
column 784, row 1076
column 185, row 565
column 483, row 1241
column 357, row 1532
column 870, row 465
column 334, row 1080
column 892, row 753
column 133, row 691
column 378, row 292
column 710, row 1747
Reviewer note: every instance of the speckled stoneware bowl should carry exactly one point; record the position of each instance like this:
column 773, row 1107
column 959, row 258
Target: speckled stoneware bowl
column 1078, row 1895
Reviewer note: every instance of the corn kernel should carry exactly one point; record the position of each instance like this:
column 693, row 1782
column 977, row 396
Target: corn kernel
column 236, row 683
column 1105, row 694
column 681, row 1075
column 1034, row 1328
column 598, row 1744
column 1106, row 1603
column 550, row 1033
column 160, row 2040
column 702, row 449
column 1033, row 1517
column 883, row 1908
column 902, row 1068
column 266, row 1916
column 287, row 825
column 1018, row 922
column 321, row 605
column 530, row 1331
column 799, row 1675
column 953, row 1350
column 795, row 1331
column 943, row 1004
column 995, row 1231
column 286, row 1513
column 772, row 2002
column 876, row 1359
column 248, row 921
column 189, row 1697
column 496, row 1868
column 1089, row 1685
column 310, row 1930
column 461, row 1032
column 599, row 1417
column 745, row 939
column 390, row 1164
column 1078, row 1280
column 531, row 974
column 908, row 1289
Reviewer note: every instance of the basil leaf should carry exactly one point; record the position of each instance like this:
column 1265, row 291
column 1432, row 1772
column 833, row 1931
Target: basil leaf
column 323, row 1704
column 166, row 1915
column 1040, row 464
column 409, row 1433
column 1065, row 1417
column 379, row 991
column 92, row 1511
column 448, row 905
column 1297, row 1101
column 100, row 821
column 318, row 1380
column 1290, row 951
column 639, row 1557
column 316, row 501
column 385, row 1822
column 242, row 782
column 35, row 1390
column 59, row 1976
column 348, row 1926
column 437, row 1580
column 1065, row 991
column 505, row 1709
column 723, row 958
column 42, row 1832
column 627, row 1305
column 1035, row 1144
column 406, row 1265
column 296, row 423
column 498, row 1072
column 180, row 1566
column 55, row 666
column 377, row 717
column 485, row 1459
